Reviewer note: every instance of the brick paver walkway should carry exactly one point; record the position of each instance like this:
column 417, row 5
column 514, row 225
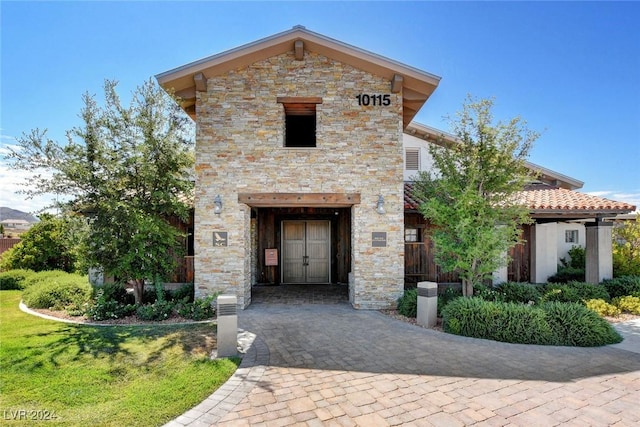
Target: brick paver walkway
column 326, row 365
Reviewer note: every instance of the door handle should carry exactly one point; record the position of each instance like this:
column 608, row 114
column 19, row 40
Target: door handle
column 305, row 260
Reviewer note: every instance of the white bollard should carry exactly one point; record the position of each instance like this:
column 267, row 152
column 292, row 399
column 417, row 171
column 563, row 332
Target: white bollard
column 427, row 304
column 227, row 326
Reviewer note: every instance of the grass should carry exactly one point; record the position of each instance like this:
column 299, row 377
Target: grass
column 104, row 376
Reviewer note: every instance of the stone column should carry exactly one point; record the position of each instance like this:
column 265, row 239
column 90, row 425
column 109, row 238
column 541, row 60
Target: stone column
column 599, row 255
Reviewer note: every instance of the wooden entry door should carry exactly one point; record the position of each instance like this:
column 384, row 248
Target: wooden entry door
column 306, row 249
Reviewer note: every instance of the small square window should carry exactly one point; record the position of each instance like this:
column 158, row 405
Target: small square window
column 411, row 235
column 571, row 236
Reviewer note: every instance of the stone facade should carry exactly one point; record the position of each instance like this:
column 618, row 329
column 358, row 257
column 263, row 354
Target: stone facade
column 240, row 149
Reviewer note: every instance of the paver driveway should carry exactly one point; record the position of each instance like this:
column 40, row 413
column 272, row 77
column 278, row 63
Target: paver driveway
column 333, row 365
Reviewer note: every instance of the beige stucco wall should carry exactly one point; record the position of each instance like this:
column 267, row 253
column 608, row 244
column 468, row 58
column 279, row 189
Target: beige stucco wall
column 239, row 149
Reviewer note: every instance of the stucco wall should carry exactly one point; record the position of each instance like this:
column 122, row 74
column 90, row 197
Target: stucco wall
column 563, row 246
column 426, row 160
column 239, row 149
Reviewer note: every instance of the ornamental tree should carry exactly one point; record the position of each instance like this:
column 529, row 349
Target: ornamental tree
column 127, row 169
column 626, row 248
column 472, row 194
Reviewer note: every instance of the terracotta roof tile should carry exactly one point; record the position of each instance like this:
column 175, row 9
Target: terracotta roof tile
column 542, row 198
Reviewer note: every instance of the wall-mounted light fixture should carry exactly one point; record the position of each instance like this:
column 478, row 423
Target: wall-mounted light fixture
column 217, row 205
column 380, row 205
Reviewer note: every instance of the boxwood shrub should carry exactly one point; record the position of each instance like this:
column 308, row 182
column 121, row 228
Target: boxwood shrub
column 622, row 286
column 57, row 292
column 14, row 279
column 574, row 292
column 552, row 323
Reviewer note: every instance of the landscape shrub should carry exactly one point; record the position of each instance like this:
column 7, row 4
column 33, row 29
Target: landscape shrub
column 199, row 309
column 552, row 323
column 574, row 292
column 499, row 321
column 113, row 292
column 183, row 293
column 603, row 308
column 450, row 293
column 519, row 292
column 159, row 310
column 13, row 279
column 573, row 324
column 567, row 274
column 628, row 304
column 408, row 303
column 105, row 307
column 45, row 277
column 577, row 258
column 58, row 292
column 486, row 293
column 622, row 286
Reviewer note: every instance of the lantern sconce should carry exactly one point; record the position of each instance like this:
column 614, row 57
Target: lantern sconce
column 217, row 205
column 380, row 205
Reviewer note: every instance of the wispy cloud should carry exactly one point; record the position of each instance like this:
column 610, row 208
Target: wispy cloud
column 12, row 182
column 632, row 197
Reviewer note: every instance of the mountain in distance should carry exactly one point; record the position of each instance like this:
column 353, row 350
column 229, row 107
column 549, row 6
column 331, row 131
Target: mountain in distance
column 8, row 213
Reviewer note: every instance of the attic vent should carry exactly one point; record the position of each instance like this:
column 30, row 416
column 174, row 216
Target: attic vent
column 412, row 159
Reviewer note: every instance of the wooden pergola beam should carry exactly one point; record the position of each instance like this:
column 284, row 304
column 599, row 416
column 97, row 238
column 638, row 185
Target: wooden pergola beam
column 283, row 200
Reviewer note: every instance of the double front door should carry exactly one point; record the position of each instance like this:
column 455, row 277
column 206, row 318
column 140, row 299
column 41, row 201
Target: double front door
column 306, row 251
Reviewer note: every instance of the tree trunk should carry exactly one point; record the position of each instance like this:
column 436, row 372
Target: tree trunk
column 138, row 289
column 467, row 288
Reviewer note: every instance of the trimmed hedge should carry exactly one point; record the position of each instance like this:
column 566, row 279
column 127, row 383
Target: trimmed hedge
column 574, row 292
column 622, row 286
column 57, row 291
column 14, row 279
column 553, row 323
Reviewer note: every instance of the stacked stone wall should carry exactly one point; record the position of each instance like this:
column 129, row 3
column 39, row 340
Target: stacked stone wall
column 240, row 149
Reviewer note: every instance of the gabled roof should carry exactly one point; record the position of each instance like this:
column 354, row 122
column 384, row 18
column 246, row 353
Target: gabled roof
column 416, row 85
column 551, row 201
column 441, row 138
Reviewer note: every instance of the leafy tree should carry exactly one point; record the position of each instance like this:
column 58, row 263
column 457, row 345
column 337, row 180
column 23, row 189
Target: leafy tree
column 626, row 248
column 128, row 170
column 471, row 196
column 49, row 244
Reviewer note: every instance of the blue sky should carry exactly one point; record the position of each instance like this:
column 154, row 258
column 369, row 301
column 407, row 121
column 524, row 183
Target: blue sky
column 571, row 69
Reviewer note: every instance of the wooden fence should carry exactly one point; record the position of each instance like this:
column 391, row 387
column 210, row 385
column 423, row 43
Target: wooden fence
column 6, row 244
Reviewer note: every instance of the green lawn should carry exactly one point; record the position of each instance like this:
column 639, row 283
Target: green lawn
column 103, row 376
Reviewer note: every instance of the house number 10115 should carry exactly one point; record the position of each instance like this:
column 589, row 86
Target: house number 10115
column 375, row 100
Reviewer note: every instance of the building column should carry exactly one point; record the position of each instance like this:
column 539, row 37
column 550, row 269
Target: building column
column 544, row 252
column 599, row 254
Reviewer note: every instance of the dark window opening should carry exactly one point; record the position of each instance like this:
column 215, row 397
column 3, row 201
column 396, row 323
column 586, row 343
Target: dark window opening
column 300, row 131
column 300, row 120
